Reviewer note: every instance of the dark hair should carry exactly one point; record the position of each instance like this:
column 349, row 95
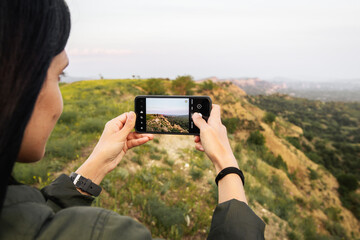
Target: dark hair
column 32, row 33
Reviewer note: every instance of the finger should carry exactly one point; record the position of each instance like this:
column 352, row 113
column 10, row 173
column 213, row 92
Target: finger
column 215, row 113
column 135, row 135
column 199, row 147
column 119, row 121
column 137, row 142
column 129, row 124
column 197, row 139
column 199, row 121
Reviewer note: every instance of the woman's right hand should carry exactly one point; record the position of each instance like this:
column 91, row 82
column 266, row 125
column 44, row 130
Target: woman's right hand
column 213, row 140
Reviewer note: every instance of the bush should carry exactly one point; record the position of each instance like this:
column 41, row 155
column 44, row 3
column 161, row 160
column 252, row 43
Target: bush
column 92, row 125
column 169, row 161
column 137, row 159
column 231, row 124
column 183, row 85
column 207, row 85
column 335, row 229
column 269, row 117
column 196, row 173
column 155, row 86
column 333, row 213
column 256, row 138
column 348, row 182
column 279, row 163
column 294, row 141
column 154, row 156
column 313, row 174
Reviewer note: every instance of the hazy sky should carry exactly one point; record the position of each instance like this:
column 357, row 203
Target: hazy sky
column 225, row 38
column 179, row 106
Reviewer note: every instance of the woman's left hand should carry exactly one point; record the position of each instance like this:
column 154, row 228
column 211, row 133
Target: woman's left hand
column 113, row 144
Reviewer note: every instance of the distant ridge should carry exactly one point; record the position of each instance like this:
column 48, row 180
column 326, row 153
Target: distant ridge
column 346, row 90
column 252, row 86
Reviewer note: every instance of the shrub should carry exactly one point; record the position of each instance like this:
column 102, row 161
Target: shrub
column 183, row 85
column 122, row 173
column 294, row 141
column 348, row 182
column 155, row 86
column 169, row 161
column 256, row 138
column 92, row 125
column 315, row 157
column 178, row 181
column 279, row 163
column 196, row 173
column 154, row 156
column 335, row 229
column 207, row 85
column 269, row 117
column 313, row 174
column 231, row 124
column 137, row 159
column 333, row 213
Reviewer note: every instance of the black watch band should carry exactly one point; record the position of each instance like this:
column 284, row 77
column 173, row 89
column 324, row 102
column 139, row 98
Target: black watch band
column 85, row 184
column 227, row 171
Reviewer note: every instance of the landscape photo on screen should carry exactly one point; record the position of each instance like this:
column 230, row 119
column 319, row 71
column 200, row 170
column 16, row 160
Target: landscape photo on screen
column 170, row 115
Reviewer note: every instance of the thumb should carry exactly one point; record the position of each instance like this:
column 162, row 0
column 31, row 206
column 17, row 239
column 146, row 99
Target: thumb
column 199, row 121
column 129, row 124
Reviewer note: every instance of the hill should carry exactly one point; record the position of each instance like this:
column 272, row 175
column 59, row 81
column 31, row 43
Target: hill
column 169, row 186
column 164, row 123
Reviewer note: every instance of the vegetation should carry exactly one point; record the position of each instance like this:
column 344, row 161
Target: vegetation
column 331, row 137
column 169, row 186
column 269, row 117
column 183, row 85
column 155, row 86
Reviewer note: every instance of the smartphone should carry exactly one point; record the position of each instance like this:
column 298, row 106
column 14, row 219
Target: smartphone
column 165, row 114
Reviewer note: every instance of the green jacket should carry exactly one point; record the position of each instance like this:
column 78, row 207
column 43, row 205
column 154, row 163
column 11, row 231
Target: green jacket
column 59, row 211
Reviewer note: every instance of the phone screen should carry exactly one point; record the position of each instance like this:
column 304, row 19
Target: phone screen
column 167, row 115
column 170, row 114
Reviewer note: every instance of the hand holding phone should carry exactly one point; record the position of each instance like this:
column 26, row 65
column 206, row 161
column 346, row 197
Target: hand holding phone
column 213, row 140
column 162, row 114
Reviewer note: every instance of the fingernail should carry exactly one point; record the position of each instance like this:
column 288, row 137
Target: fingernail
column 195, row 114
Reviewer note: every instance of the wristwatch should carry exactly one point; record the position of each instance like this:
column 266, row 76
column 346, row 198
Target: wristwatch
column 85, row 184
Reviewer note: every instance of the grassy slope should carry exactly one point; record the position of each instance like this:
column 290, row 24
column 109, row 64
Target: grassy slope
column 169, row 186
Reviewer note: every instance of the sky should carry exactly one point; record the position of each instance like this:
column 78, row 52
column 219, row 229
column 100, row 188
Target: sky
column 305, row 39
column 179, row 106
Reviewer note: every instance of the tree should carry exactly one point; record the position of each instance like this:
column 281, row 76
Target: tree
column 182, row 85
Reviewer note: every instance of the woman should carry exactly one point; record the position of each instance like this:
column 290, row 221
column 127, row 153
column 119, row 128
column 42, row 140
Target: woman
column 33, row 35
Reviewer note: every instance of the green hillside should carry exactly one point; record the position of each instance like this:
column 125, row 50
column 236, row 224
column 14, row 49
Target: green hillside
column 331, row 137
column 169, row 186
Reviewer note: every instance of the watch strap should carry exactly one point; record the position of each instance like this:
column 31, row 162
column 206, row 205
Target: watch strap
column 227, row 171
column 85, row 184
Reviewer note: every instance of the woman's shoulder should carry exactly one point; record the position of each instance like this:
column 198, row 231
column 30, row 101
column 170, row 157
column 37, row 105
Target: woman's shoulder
column 93, row 223
column 26, row 215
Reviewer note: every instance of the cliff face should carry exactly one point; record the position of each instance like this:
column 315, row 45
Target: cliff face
column 315, row 198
